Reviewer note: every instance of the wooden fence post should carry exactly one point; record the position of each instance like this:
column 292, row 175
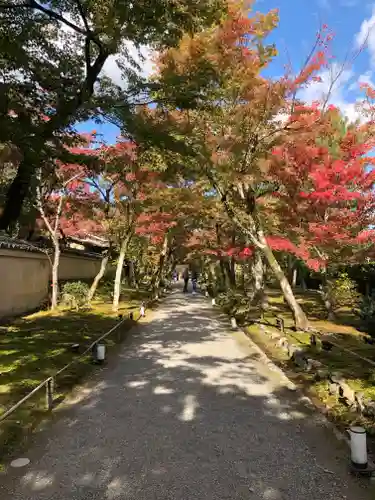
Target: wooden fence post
column 49, row 394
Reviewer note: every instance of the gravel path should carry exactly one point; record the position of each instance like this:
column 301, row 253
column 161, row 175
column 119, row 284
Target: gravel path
column 188, row 411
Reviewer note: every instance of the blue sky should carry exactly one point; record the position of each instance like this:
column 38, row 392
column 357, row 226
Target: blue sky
column 351, row 22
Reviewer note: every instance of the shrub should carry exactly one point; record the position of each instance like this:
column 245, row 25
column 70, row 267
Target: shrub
column 341, row 292
column 106, row 289
column 233, row 301
column 367, row 308
column 74, row 294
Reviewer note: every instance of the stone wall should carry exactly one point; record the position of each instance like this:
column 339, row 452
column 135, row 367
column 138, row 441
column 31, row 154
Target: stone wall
column 25, row 277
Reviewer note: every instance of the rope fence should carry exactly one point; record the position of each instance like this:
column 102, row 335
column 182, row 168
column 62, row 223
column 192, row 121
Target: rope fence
column 49, row 383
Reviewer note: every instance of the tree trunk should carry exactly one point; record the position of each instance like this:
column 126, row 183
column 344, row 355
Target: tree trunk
column 170, row 263
column 242, row 276
column 258, row 278
column 232, row 272
column 253, row 231
column 98, row 277
column 136, row 276
column 291, row 268
column 120, row 264
column 159, row 272
column 17, row 192
column 212, row 278
column 294, row 277
column 326, row 297
column 230, row 279
column 55, row 275
column 226, row 283
column 300, row 318
column 131, row 277
column 224, row 277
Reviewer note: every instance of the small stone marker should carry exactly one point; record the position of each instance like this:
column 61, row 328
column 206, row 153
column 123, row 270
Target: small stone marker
column 20, row 462
column 280, row 324
column 74, row 347
column 313, row 340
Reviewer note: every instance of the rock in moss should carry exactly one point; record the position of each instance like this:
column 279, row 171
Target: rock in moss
column 322, row 374
column 333, row 389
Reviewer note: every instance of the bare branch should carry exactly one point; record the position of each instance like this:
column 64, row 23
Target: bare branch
column 58, row 214
column 39, row 206
column 87, row 56
column 32, row 4
column 83, row 15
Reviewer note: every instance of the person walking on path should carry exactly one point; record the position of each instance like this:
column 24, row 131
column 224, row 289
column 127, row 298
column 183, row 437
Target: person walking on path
column 194, row 280
column 186, row 279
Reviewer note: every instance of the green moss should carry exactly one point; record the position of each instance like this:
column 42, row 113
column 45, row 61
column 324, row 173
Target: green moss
column 358, row 374
column 35, row 347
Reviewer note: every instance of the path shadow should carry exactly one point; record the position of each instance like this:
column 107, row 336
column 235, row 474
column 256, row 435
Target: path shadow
column 185, row 413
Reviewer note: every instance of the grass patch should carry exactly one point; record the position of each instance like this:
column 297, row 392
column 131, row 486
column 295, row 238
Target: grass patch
column 35, row 347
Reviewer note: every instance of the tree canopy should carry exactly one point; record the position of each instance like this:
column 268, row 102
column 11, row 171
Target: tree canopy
column 52, row 57
column 217, row 162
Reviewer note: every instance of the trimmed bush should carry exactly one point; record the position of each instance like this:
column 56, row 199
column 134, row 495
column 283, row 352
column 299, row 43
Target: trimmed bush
column 74, row 295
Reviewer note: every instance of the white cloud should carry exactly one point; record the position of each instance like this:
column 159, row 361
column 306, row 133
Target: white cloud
column 363, row 78
column 143, row 56
column 333, row 84
column 366, row 36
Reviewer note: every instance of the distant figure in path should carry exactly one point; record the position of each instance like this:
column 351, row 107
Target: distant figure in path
column 186, row 279
column 194, row 280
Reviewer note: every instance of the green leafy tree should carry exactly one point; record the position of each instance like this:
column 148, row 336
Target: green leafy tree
column 52, row 55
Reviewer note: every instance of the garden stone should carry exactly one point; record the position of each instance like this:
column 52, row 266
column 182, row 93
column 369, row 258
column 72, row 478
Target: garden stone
column 333, row 389
column 347, row 393
column 300, row 360
column 370, row 409
column 283, row 343
column 298, row 357
column 322, row 374
column 336, row 377
column 359, row 402
column 293, row 349
column 313, row 340
column 314, row 364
